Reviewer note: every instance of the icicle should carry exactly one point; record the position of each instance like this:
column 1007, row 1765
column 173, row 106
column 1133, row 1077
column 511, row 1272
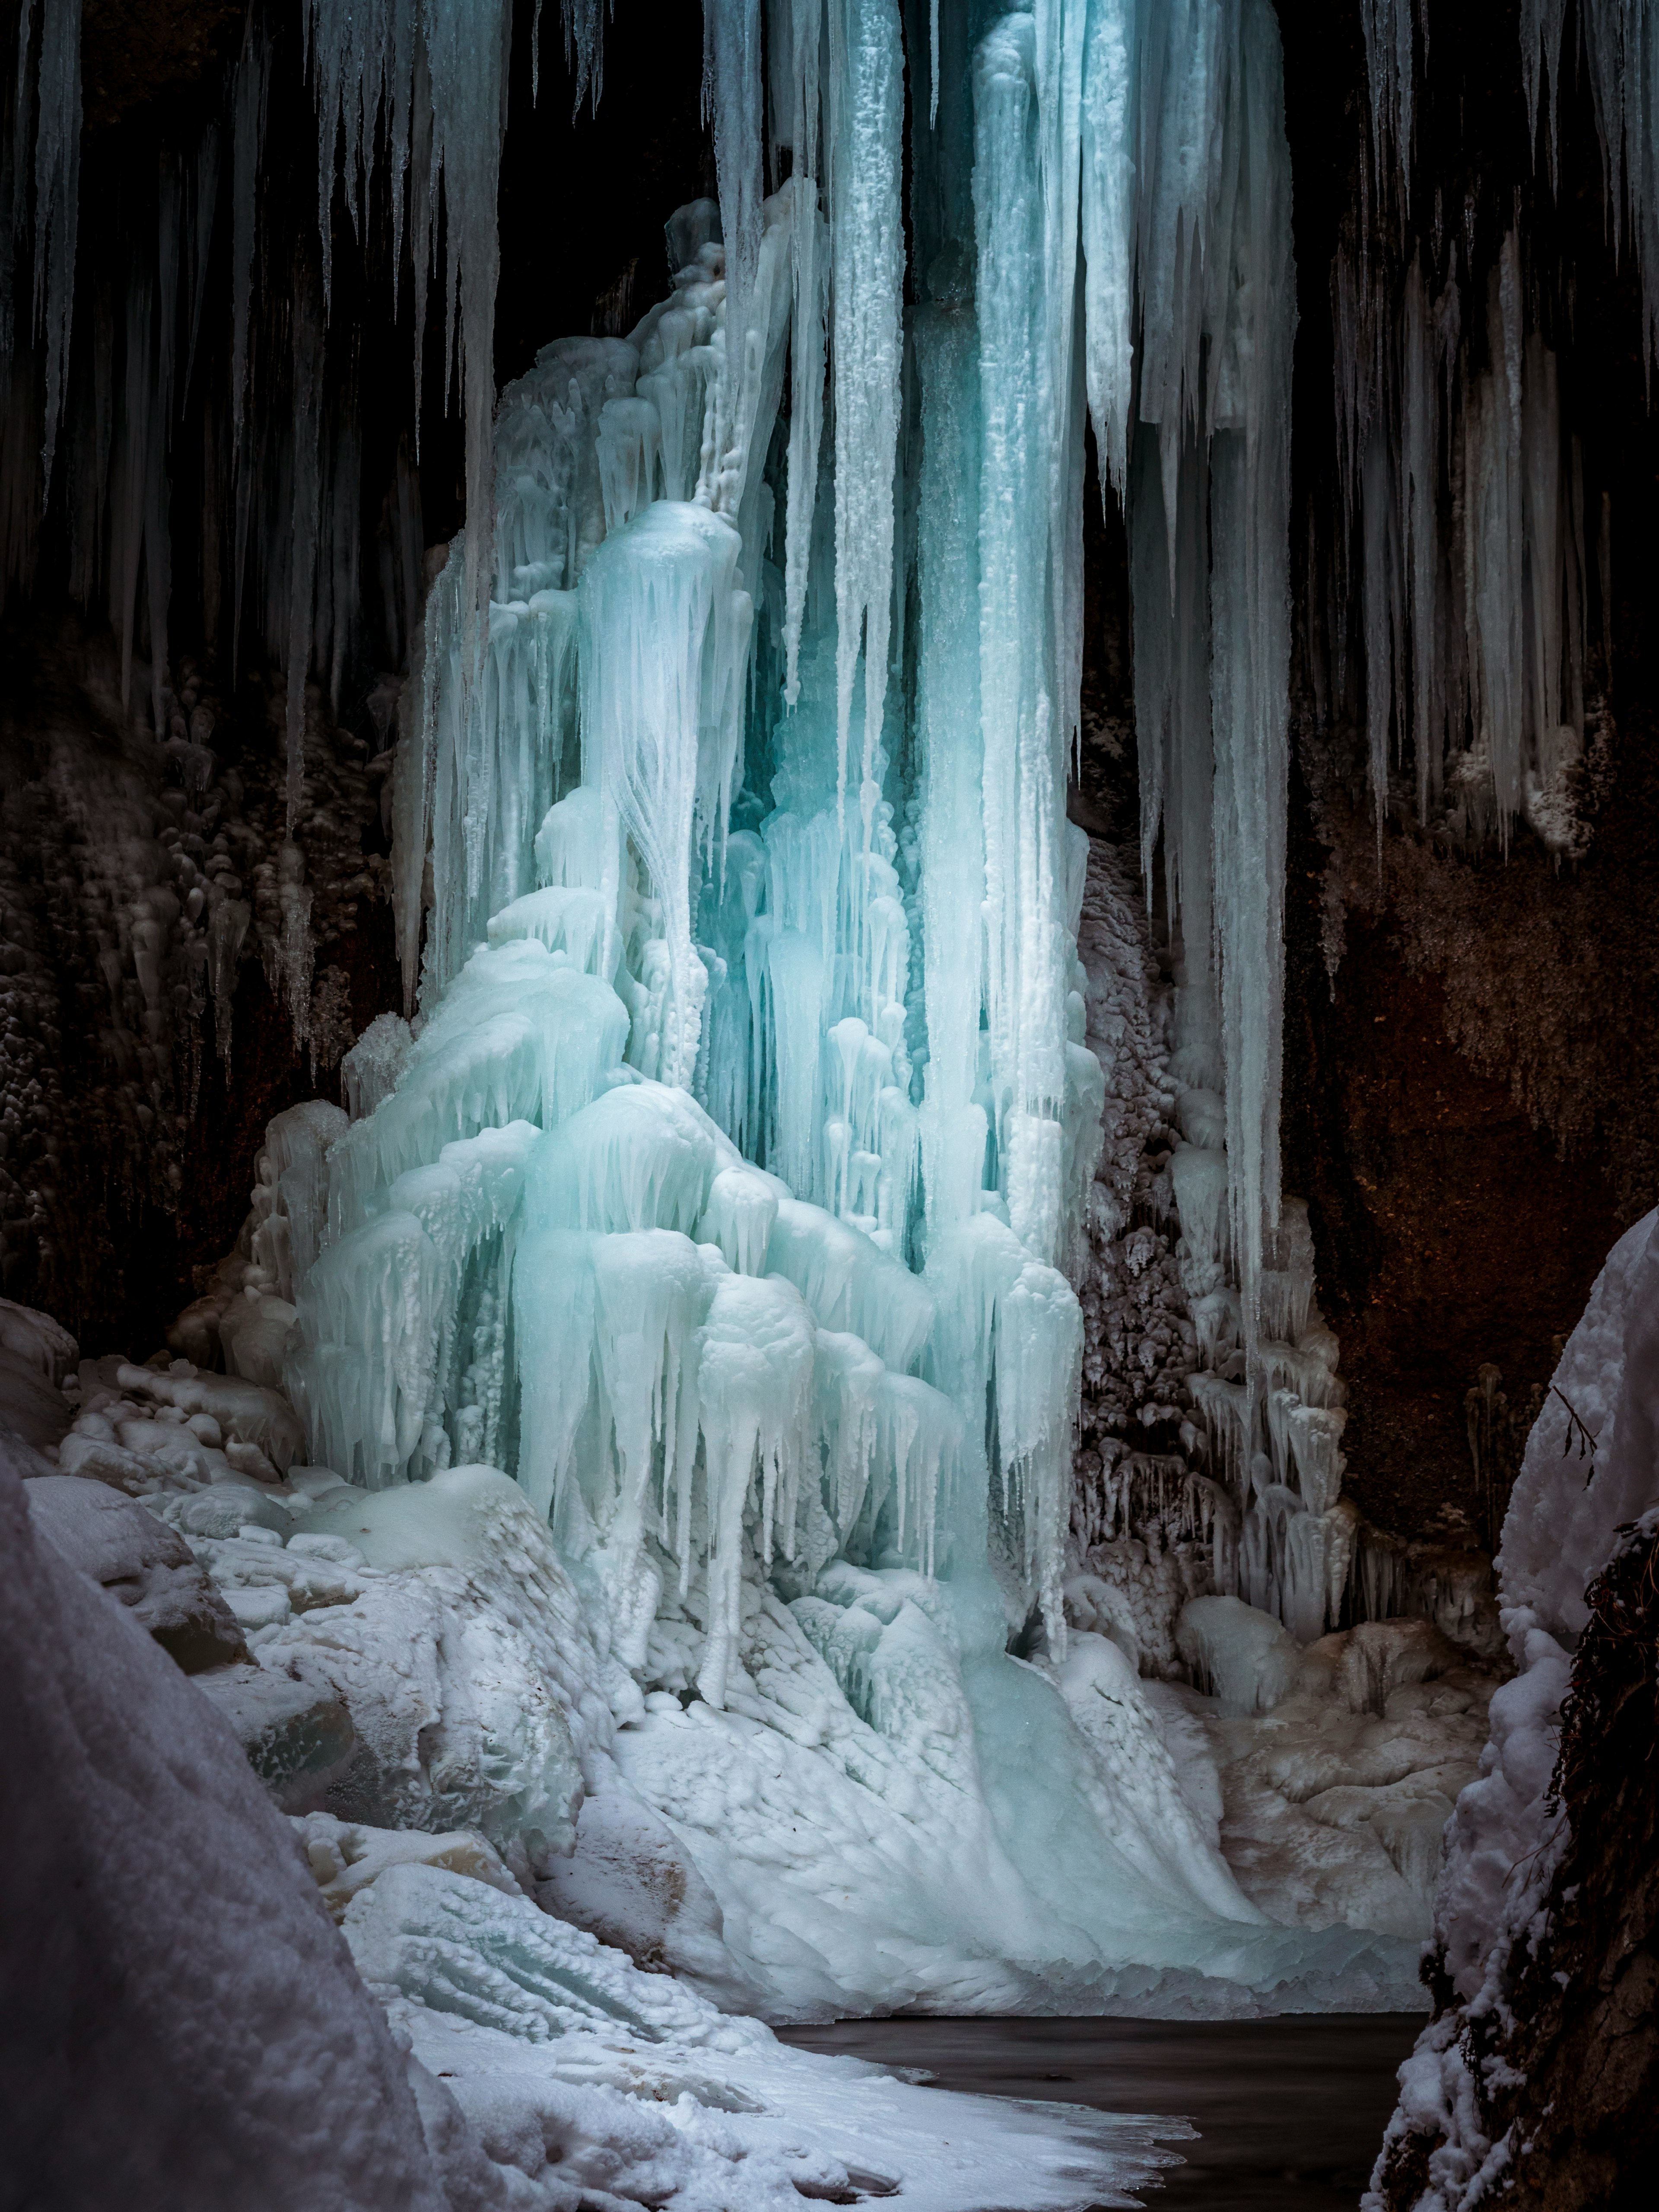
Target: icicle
column 584, row 49
column 205, row 200
column 1621, row 44
column 865, row 104
column 56, row 196
column 731, row 101
column 1390, row 64
column 947, row 716
column 253, row 87
column 1108, row 219
column 307, row 372
column 1218, row 314
column 1022, row 720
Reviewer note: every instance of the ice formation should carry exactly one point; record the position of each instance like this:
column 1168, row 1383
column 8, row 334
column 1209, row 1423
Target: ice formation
column 732, row 1185
column 1480, row 554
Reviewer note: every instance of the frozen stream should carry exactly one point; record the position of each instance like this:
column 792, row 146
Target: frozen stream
column 1289, row 2113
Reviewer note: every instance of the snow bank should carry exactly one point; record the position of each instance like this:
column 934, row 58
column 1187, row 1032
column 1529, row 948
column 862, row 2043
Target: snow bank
column 185, row 2027
column 580, row 2071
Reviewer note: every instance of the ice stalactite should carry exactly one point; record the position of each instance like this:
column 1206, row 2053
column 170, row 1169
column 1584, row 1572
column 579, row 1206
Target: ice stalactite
column 1392, row 29
column 1209, row 519
column 861, row 137
column 1480, row 555
column 1619, row 43
column 1465, row 489
column 49, row 66
column 420, row 86
column 410, row 114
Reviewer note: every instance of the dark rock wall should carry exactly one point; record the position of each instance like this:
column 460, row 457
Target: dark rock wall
column 1471, row 1086
column 1565, row 2064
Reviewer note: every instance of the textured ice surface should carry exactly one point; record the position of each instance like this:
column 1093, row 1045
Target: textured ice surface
column 195, row 2025
column 582, row 2072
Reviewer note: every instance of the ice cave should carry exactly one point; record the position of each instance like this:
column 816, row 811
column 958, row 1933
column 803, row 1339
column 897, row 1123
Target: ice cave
column 830, row 1104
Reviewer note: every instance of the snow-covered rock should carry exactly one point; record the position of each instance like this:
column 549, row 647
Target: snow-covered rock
column 183, row 2025
column 141, row 1562
column 1591, row 1466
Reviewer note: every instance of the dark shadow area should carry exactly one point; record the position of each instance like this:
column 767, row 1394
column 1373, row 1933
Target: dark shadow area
column 1289, row 2111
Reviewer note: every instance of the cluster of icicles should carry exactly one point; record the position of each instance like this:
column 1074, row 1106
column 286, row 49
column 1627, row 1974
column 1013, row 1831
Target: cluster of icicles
column 1480, row 561
column 533, row 1245
column 745, row 1144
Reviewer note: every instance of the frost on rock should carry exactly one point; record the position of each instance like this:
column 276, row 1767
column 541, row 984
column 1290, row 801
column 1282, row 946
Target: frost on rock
column 1209, row 1465
column 1509, row 1832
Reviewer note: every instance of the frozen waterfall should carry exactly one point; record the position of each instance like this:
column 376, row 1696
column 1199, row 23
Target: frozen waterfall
column 729, row 1189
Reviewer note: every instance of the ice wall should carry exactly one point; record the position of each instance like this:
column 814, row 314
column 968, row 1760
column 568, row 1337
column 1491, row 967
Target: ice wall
column 1209, row 517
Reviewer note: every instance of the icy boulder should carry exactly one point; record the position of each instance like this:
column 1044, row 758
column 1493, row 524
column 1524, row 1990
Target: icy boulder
column 245, row 1413
column 142, row 1564
column 296, row 1737
column 634, row 1884
column 346, row 1857
column 1507, row 1838
column 35, row 1355
column 471, row 1682
column 36, row 1341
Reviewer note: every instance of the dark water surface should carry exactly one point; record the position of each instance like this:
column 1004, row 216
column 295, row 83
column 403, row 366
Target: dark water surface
column 1289, row 2113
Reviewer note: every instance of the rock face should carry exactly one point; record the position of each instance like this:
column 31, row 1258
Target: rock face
column 1564, row 2069
column 141, row 1562
column 183, row 2027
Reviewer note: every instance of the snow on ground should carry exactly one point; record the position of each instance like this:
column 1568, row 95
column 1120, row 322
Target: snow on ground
column 872, row 1820
column 575, row 2066
column 184, row 2027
